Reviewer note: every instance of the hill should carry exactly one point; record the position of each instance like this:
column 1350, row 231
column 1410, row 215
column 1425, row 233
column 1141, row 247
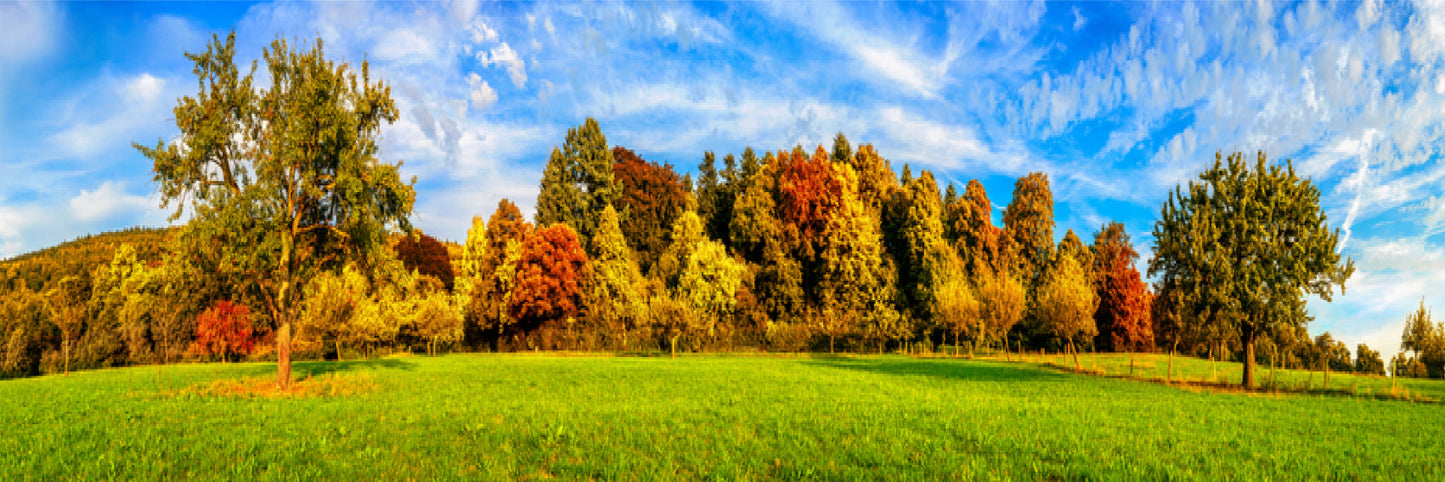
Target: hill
column 38, row 269
column 526, row 416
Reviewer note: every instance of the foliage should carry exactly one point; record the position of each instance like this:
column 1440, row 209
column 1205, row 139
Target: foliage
column 1368, row 361
column 224, row 331
column 495, row 273
column 1242, row 247
column 1123, row 317
column 1002, row 300
column 549, row 273
column 283, row 180
column 921, row 232
column 652, row 199
column 716, row 194
column 427, row 256
column 709, row 283
column 1425, row 339
column 1029, row 225
column 332, row 307
column 436, row 318
column 957, row 307
column 615, row 296
column 578, row 182
column 1066, row 301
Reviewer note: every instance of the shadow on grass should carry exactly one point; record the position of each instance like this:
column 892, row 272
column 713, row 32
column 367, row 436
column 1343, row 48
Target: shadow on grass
column 950, row 369
column 318, row 368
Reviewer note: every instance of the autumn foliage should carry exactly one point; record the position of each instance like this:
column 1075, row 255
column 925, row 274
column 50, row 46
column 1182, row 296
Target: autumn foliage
column 548, row 277
column 426, row 256
column 1123, row 316
column 224, row 330
column 653, row 198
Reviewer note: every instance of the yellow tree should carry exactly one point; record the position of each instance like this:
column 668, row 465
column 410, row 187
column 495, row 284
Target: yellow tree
column 956, row 305
column 709, row 283
column 614, row 299
column 1066, row 302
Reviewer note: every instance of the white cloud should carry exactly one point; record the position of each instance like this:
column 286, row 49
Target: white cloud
column 1079, row 20
column 28, row 30
column 144, row 88
column 405, row 46
column 482, row 95
column 481, row 32
column 504, row 56
column 106, row 201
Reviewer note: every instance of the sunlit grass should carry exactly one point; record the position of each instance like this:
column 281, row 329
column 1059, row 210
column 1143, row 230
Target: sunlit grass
column 539, row 416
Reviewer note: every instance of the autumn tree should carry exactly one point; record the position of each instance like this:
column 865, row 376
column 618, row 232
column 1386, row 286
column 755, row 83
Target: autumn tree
column 921, row 232
column 1029, row 225
column 1426, row 340
column 1123, row 317
column 577, row 183
column 709, row 283
column 1242, row 247
column 1002, row 300
column 766, row 243
column 331, row 308
column 652, row 198
column 68, row 302
column 549, row 280
column 1066, row 302
column 957, row 306
column 852, row 278
column 615, row 296
column 284, row 179
column 495, row 271
column 427, row 256
column 717, row 191
column 224, row 331
column 436, row 318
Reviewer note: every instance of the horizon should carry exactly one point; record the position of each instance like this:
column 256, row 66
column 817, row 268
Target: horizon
column 1117, row 103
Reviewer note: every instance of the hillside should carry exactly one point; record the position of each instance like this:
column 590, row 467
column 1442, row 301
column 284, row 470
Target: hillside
column 41, row 267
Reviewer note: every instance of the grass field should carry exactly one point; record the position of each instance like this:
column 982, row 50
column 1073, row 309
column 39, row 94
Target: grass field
column 713, row 417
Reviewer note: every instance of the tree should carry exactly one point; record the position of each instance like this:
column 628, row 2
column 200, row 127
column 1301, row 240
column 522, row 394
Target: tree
column 980, row 244
column 1123, row 316
column 614, row 297
column 1066, row 302
column 767, row 244
column 922, row 233
column 709, row 283
column 1002, row 299
column 1368, row 361
column 224, row 331
column 67, row 302
column 652, row 199
column 426, row 256
column 1029, row 225
column 549, row 278
column 842, row 150
column 578, row 183
column 488, row 305
column 851, row 274
column 1243, row 246
column 716, row 195
column 437, row 318
column 957, row 306
column 332, row 306
column 284, row 180
column 1426, row 339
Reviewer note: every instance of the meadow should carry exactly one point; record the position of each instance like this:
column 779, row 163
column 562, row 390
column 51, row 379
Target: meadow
column 528, row 416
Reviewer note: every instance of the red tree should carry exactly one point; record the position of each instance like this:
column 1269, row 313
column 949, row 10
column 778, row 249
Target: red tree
column 224, row 330
column 1123, row 316
column 652, row 199
column 549, row 277
column 810, row 195
column 427, row 256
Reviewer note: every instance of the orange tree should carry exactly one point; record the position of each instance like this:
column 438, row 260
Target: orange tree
column 548, row 278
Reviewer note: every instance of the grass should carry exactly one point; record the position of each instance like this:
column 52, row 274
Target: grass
column 1204, row 373
column 707, row 417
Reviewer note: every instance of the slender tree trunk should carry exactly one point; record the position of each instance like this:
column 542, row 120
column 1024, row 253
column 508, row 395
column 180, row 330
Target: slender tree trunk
column 673, row 341
column 338, row 349
column 1169, row 376
column 1249, row 360
column 830, row 342
column 1075, row 351
column 67, row 355
column 955, row 344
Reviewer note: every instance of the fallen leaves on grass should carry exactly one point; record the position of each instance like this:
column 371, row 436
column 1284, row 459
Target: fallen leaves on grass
column 329, row 385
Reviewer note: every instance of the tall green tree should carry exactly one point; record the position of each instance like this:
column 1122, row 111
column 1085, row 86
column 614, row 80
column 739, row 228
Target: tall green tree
column 284, row 180
column 577, row 183
column 1243, row 245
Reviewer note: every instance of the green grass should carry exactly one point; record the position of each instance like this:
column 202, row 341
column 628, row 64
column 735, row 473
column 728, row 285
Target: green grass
column 1191, row 370
column 715, row 417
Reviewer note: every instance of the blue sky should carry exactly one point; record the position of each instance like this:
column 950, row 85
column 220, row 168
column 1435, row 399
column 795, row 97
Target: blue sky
column 1118, row 102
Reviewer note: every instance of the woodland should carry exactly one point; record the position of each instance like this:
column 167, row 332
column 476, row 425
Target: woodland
column 298, row 246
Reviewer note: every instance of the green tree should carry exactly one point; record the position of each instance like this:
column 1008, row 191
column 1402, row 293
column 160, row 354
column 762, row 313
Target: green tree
column 1243, row 246
column 284, row 180
column 1368, row 361
column 922, row 232
column 578, row 182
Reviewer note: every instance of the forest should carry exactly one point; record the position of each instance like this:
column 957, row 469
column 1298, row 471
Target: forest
column 305, row 249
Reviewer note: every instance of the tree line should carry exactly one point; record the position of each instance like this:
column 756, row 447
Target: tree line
column 300, row 245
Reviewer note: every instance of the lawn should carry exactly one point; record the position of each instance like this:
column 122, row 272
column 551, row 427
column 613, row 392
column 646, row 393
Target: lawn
column 539, row 416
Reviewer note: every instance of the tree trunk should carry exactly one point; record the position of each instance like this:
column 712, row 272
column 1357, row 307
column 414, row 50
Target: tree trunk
column 830, row 343
column 955, row 344
column 1169, row 376
column 283, row 355
column 67, row 356
column 1249, row 361
column 1075, row 351
column 338, row 349
column 673, row 341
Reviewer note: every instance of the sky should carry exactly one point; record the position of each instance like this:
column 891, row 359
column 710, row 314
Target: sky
column 1117, row 102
